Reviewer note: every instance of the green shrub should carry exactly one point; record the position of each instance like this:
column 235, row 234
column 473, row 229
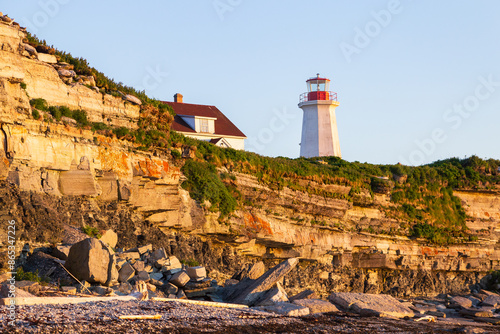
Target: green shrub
column 190, row 263
column 23, row 85
column 35, row 114
column 175, row 154
column 39, row 104
column 92, row 232
column 121, row 132
column 55, row 112
column 21, row 275
column 80, row 117
column 99, row 126
column 203, row 183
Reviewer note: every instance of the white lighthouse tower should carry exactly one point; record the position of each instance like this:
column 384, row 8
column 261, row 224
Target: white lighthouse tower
column 319, row 126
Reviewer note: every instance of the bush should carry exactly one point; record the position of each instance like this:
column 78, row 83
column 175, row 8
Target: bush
column 92, row 232
column 21, row 275
column 203, row 183
column 55, row 112
column 35, row 114
column 80, row 117
column 39, row 104
column 23, row 85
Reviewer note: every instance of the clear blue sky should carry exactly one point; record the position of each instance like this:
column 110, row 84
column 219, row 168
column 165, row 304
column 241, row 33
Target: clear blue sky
column 417, row 81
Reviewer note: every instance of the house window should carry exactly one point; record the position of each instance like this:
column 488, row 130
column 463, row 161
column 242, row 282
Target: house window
column 204, row 125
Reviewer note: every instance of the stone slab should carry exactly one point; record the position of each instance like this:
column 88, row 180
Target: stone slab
column 249, row 293
column 287, row 309
column 316, row 305
column 371, row 304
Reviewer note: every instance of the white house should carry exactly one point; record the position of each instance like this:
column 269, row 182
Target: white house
column 205, row 123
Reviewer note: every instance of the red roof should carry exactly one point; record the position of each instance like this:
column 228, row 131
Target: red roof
column 223, row 126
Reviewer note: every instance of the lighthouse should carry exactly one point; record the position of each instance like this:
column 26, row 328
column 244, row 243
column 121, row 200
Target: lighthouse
column 320, row 136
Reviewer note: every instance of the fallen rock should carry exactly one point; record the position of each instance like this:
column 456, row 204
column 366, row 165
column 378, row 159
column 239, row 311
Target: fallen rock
column 316, row 305
column 491, row 300
column 197, row 273
column 132, row 99
column 138, row 266
column 157, row 255
column 31, row 50
column 110, row 238
column 370, row 304
column 130, row 256
column 113, row 273
column 46, row 58
column 180, row 279
column 156, row 276
column 142, row 276
column 89, row 260
column 126, row 273
column 306, row 294
column 460, row 302
column 252, row 271
column 61, row 252
column 66, row 73
column 248, row 291
column 287, row 309
column 145, row 249
column 272, row 296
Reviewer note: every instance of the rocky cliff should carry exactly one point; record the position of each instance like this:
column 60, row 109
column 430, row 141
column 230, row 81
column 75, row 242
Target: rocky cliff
column 55, row 175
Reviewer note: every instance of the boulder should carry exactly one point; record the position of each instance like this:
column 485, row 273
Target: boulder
column 126, row 273
column 110, row 238
column 157, row 255
column 31, row 50
column 180, row 279
column 142, row 276
column 61, row 252
column 491, row 300
column 130, row 256
column 132, row 99
column 46, row 58
column 156, row 276
column 169, row 289
column 370, row 304
column 286, row 309
column 66, row 73
column 197, row 273
column 460, row 302
column 316, row 305
column 248, row 291
column 89, row 260
column 145, row 249
column 112, row 271
column 138, row 265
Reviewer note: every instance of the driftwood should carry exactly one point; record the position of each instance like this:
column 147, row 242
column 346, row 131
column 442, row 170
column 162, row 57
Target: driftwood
column 140, row 317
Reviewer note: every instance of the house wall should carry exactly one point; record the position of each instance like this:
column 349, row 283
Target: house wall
column 236, row 143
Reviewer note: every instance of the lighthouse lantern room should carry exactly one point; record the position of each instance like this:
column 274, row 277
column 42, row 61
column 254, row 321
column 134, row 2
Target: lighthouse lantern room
column 319, row 126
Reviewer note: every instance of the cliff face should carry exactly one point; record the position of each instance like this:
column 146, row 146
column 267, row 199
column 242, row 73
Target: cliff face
column 71, row 176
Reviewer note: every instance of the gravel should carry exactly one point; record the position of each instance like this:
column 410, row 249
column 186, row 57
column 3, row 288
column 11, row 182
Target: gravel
column 103, row 317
